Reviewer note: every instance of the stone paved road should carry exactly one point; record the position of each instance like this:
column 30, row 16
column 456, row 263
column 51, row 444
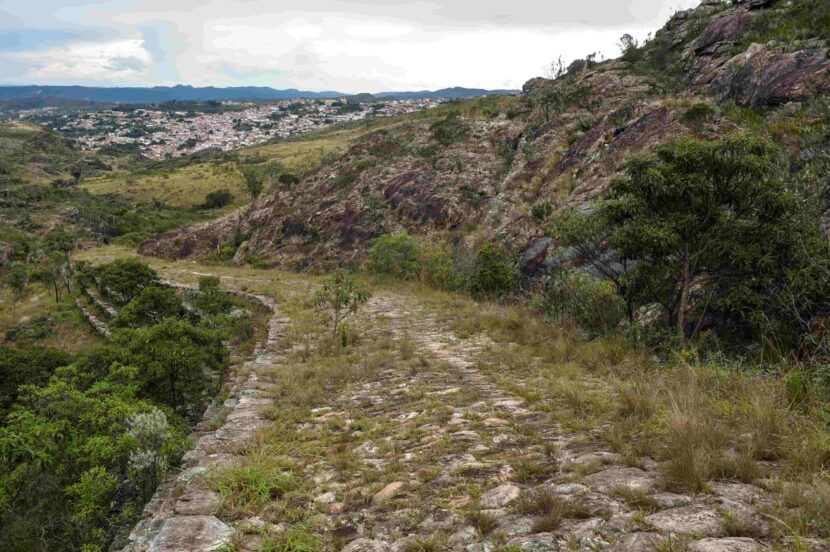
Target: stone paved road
column 454, row 462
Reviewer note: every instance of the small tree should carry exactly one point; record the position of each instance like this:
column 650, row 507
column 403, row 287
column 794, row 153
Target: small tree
column 62, row 241
column 17, row 279
column 253, row 180
column 152, row 305
column 122, row 280
column 714, row 217
column 340, row 297
column 53, row 272
column 629, row 47
column 210, row 299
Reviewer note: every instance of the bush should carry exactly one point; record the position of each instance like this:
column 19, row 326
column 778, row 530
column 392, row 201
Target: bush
column 33, row 330
column 697, row 115
column 67, row 458
column 396, row 255
column 152, row 305
column 450, row 129
column 438, row 268
column 493, row 275
column 542, row 210
column 26, row 366
column 122, row 280
column 218, row 199
column 176, row 360
column 574, row 295
column 211, row 300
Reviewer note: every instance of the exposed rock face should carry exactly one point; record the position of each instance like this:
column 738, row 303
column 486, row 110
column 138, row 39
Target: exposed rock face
column 724, row 29
column 535, row 255
column 764, row 77
column 563, row 141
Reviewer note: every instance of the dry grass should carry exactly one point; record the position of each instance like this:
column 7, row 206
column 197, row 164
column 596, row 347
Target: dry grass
column 70, row 332
column 180, row 187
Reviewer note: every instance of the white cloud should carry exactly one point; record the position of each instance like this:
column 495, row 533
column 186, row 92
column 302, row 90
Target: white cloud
column 125, row 59
column 347, row 45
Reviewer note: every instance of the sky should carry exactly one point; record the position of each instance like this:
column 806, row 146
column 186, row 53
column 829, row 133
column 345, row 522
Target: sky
column 344, row 45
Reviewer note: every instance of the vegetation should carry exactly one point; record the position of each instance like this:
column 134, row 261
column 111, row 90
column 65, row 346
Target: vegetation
column 705, row 216
column 87, row 438
column 218, row 199
column 340, row 297
column 396, row 255
column 124, row 279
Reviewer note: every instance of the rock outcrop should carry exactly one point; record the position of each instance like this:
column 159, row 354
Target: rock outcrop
column 562, row 142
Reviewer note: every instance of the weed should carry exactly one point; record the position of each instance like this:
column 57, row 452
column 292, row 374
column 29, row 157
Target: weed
column 254, row 483
column 636, row 498
column 483, row 522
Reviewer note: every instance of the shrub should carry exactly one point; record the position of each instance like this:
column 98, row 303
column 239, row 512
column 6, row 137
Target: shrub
column 542, row 210
column 122, row 280
column 449, row 130
column 288, row 179
column 152, row 305
column 176, row 361
column 574, row 295
column 65, row 454
column 218, row 199
column 26, row 366
column 211, row 300
column 697, row 115
column 396, row 255
column 438, row 268
column 492, row 275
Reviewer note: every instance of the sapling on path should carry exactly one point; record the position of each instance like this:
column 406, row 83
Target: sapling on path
column 340, row 297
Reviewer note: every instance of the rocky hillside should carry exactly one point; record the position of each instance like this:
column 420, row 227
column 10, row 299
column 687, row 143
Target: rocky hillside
column 495, row 168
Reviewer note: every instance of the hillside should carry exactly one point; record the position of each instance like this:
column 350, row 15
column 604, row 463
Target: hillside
column 591, row 317
column 476, row 171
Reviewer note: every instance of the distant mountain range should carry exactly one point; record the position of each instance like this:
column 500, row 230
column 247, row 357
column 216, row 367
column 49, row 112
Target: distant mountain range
column 158, row 94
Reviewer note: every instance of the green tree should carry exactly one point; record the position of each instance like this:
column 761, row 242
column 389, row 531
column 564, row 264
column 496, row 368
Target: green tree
column 712, row 216
column 175, row 361
column 152, row 305
column 493, row 274
column 65, row 455
column 63, row 241
column 211, row 300
column 340, row 297
column 123, row 279
column 26, row 366
column 396, row 255
column 253, row 180
column 51, row 271
column 17, row 278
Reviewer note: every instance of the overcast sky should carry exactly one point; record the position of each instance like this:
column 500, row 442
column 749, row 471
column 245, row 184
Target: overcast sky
column 343, row 45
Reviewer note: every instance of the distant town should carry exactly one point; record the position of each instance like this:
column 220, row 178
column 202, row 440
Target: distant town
column 168, row 130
